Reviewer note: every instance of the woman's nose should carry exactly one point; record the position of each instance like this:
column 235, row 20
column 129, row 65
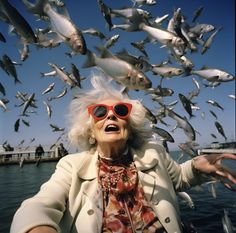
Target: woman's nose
column 111, row 115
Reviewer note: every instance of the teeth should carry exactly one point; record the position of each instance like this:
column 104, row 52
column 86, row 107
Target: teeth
column 111, row 128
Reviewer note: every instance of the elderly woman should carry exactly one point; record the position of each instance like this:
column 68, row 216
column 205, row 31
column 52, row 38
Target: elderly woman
column 122, row 182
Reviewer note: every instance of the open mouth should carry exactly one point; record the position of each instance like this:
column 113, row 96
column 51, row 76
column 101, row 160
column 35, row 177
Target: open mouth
column 112, row 128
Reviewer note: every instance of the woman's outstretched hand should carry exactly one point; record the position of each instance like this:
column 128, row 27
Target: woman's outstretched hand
column 212, row 164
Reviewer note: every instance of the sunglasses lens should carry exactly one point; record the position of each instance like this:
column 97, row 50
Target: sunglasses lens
column 100, row 111
column 121, row 110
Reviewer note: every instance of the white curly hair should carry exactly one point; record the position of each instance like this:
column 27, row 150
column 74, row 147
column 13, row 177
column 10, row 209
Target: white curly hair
column 80, row 121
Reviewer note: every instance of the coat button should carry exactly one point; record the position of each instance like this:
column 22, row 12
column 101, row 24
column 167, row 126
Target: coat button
column 167, row 220
column 90, row 212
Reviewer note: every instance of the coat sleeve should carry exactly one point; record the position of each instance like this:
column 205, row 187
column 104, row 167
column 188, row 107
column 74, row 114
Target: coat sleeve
column 48, row 205
column 183, row 175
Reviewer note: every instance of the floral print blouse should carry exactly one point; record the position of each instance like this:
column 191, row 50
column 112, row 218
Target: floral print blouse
column 126, row 209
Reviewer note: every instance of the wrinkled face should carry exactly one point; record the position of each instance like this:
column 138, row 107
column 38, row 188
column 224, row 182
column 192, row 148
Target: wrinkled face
column 111, row 129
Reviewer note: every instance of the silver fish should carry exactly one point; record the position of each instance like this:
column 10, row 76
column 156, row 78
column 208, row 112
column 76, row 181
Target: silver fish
column 21, row 96
column 213, row 189
column 94, row 32
column 158, row 21
column 182, row 123
column 2, row 38
column 111, row 41
column 213, row 75
column 135, row 61
column 232, row 96
column 166, row 71
column 18, row 21
column 127, row 27
column 76, row 75
column 175, row 21
column 51, row 73
column 25, row 122
column 28, row 103
column 17, row 125
column 3, row 105
column 162, row 36
column 57, row 3
column 10, row 68
column 2, row 89
column 213, row 114
column 63, row 75
column 106, row 12
column 120, row 70
column 196, row 92
column 160, row 91
column 55, row 128
column 47, row 39
column 143, row 2
column 220, row 129
column 133, row 15
column 49, row 110
column 186, row 104
column 49, row 88
column 213, row 135
column 186, row 197
column 140, row 46
column 197, row 13
column 62, row 25
column 209, row 41
column 150, row 116
column 227, row 224
column 58, row 96
column 214, row 103
column 163, row 133
column 24, row 53
column 200, row 29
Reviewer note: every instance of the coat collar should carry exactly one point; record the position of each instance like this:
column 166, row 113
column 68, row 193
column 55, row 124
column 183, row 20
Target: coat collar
column 144, row 159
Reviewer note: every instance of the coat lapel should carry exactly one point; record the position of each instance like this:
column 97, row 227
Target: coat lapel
column 88, row 168
column 145, row 159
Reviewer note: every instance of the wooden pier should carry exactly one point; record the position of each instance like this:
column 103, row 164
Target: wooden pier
column 27, row 156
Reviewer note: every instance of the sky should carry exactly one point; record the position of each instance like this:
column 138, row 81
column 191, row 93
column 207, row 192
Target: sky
column 85, row 15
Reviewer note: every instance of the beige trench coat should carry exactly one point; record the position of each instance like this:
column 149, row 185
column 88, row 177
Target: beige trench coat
column 72, row 203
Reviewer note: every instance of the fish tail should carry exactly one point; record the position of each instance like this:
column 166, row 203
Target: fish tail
column 90, row 60
column 37, row 8
column 187, row 71
column 192, row 116
column 17, row 81
column 42, row 74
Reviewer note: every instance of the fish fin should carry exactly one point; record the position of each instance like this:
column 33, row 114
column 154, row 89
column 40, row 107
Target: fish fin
column 65, row 12
column 105, row 53
column 205, row 68
column 38, row 8
column 90, row 60
column 123, row 52
column 17, row 81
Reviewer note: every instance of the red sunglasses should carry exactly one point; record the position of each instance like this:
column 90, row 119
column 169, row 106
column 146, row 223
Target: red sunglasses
column 100, row 111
